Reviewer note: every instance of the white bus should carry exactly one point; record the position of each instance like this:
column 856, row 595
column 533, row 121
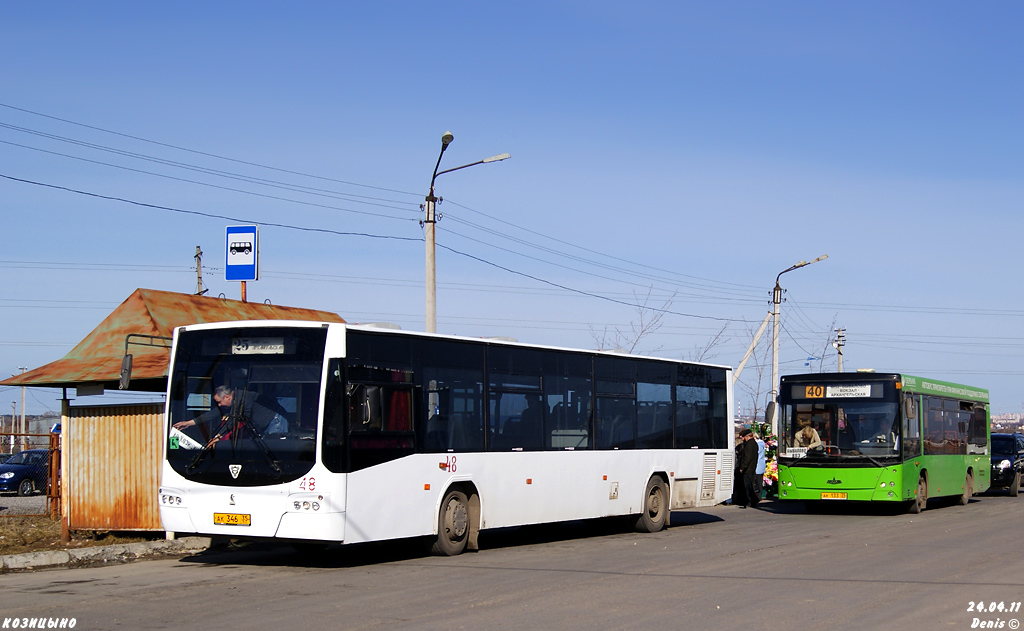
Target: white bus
column 314, row 432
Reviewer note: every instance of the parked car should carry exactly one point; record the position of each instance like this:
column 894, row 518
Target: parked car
column 1007, row 461
column 26, row 473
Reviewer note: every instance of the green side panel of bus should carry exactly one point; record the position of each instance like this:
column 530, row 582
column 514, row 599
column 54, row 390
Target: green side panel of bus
column 947, row 474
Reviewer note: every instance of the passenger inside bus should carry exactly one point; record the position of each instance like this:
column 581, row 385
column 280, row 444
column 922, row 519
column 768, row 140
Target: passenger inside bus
column 806, row 436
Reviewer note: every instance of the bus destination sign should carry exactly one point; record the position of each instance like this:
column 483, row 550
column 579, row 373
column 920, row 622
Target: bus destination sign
column 257, row 346
column 837, row 392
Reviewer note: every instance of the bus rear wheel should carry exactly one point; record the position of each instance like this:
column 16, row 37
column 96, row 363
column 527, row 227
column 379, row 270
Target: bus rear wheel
column 920, row 501
column 968, row 489
column 655, row 513
column 452, row 525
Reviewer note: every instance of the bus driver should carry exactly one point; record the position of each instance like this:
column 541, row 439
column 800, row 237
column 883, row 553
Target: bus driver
column 265, row 420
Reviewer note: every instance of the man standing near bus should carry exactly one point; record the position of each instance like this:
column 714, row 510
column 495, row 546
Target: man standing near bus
column 748, row 467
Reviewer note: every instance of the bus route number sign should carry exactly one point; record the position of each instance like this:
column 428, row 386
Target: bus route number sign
column 814, row 392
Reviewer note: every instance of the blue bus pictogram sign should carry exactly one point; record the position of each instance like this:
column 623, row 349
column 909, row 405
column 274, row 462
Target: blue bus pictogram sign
column 241, row 253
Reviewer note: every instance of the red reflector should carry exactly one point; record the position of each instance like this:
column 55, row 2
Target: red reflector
column 426, row 487
column 529, row 480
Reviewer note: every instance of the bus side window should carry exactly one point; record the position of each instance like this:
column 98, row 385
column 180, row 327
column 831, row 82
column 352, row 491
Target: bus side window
column 979, row 426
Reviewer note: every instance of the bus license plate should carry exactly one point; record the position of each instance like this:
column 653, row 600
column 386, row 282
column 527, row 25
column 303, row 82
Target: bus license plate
column 231, row 519
column 833, row 496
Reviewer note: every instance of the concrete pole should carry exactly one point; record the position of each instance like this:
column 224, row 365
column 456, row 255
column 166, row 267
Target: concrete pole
column 429, row 223
column 199, row 272
column 776, row 301
column 840, row 343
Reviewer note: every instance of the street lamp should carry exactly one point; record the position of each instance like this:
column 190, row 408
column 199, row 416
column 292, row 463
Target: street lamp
column 776, row 301
column 430, row 218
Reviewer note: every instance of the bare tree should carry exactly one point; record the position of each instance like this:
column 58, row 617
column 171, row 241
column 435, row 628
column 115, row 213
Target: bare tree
column 828, row 342
column 648, row 321
column 699, row 353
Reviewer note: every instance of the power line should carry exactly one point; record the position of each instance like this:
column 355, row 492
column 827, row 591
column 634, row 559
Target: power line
column 203, row 153
column 338, row 232
column 208, row 215
column 200, row 169
column 298, row 188
column 207, row 184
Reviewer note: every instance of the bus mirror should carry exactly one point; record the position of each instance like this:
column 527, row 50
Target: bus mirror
column 126, row 372
column 908, row 408
column 769, row 413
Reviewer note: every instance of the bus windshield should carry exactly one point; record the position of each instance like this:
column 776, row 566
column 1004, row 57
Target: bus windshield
column 840, row 428
column 243, row 404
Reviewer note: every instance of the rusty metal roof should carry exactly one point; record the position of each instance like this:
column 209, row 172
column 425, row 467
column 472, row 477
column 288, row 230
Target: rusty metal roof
column 96, row 360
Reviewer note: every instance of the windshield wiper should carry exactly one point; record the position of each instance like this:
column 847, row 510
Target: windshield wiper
column 201, row 454
column 257, row 438
column 231, row 424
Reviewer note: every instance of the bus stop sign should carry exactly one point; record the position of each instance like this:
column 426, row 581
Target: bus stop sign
column 241, row 251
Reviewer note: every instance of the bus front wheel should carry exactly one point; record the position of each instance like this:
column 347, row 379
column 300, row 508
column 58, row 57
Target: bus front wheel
column 452, row 525
column 920, row 501
column 655, row 513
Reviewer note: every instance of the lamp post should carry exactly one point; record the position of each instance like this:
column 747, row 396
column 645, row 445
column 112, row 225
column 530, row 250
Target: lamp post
column 430, row 218
column 776, row 301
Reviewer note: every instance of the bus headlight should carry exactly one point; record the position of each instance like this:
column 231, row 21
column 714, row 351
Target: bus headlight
column 169, row 499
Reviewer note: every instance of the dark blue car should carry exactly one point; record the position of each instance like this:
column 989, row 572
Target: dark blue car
column 26, row 473
column 1007, row 461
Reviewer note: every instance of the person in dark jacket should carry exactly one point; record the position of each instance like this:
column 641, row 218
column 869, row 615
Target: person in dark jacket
column 748, row 467
column 225, row 404
column 739, row 495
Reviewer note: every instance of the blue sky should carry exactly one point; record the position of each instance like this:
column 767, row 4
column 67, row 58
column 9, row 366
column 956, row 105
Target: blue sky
column 678, row 155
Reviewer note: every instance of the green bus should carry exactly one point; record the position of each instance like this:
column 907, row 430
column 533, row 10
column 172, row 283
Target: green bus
column 874, row 437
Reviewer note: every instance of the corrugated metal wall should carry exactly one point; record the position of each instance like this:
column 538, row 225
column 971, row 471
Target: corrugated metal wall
column 110, row 469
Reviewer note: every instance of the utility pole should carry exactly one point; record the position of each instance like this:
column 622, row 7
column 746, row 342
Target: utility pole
column 14, row 408
column 839, row 344
column 199, row 272
column 776, row 301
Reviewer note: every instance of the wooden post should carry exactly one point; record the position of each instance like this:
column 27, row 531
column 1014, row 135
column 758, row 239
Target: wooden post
column 65, row 429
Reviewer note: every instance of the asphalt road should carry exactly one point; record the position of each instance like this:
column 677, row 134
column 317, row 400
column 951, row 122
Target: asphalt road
column 720, row 568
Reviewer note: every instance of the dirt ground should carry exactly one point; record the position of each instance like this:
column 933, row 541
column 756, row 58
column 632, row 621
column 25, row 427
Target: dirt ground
column 35, row 534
